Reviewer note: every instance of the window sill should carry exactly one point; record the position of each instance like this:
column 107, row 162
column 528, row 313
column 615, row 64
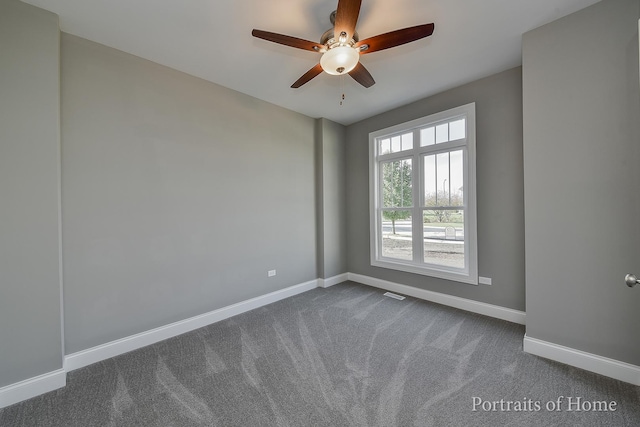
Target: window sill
column 471, row 279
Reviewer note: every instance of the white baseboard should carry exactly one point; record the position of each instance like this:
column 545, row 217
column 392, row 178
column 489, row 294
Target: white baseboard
column 491, row 310
column 331, row 281
column 590, row 362
column 32, row 387
column 114, row 348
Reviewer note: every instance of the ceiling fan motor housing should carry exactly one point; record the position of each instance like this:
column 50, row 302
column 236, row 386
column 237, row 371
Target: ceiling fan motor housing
column 328, row 38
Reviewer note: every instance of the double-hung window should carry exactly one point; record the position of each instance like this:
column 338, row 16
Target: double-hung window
column 423, row 196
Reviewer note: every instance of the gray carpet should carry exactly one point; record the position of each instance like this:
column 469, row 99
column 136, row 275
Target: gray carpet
column 343, row 356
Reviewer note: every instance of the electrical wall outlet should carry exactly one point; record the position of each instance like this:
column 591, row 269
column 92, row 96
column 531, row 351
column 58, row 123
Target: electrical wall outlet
column 271, row 273
column 484, row 280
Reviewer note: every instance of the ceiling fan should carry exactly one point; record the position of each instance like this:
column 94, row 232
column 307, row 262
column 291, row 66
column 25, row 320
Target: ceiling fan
column 341, row 46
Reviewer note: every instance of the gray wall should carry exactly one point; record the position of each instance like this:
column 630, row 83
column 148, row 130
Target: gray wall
column 178, row 195
column 498, row 101
column 582, row 176
column 330, row 161
column 30, row 330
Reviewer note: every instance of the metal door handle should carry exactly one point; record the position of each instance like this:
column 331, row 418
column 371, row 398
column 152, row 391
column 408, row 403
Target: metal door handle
column 631, row 280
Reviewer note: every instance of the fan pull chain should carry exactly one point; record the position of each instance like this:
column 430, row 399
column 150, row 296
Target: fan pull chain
column 342, row 89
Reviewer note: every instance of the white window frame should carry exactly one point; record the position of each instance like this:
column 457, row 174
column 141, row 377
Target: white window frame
column 469, row 274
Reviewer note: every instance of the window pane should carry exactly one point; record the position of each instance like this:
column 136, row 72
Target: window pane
column 457, row 129
column 395, row 144
column 397, row 235
column 444, row 237
column 430, row 180
column 407, row 141
column 456, row 172
column 442, row 133
column 427, row 136
column 396, row 184
column 385, row 146
column 443, row 180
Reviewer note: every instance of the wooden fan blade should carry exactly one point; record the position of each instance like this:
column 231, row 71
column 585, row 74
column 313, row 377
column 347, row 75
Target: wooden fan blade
column 362, row 75
column 307, row 76
column 346, row 18
column 288, row 40
column 395, row 38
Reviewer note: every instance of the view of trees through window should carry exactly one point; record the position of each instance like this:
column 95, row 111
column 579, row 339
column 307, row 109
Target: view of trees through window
column 442, row 218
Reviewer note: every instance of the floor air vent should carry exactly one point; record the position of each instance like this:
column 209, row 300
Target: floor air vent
column 394, row 296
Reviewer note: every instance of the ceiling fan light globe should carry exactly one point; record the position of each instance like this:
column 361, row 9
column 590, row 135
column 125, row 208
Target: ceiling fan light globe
column 339, row 60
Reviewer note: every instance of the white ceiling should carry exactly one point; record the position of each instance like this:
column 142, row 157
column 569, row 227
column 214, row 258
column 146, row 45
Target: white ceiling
column 212, row 39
